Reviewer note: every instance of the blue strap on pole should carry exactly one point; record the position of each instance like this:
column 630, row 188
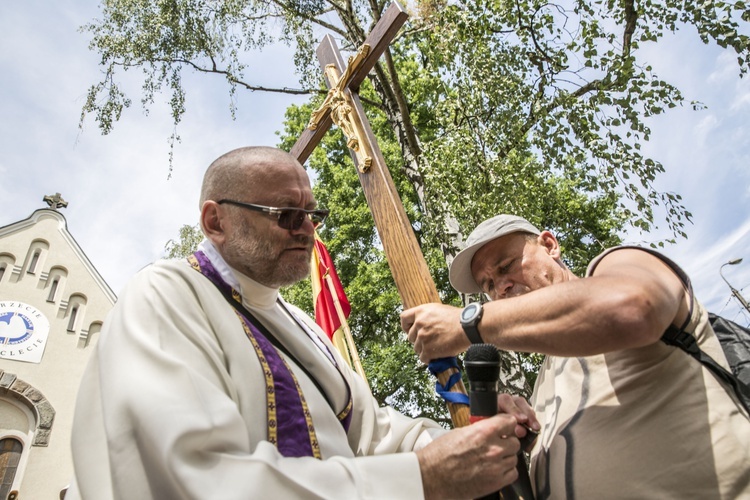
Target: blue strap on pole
column 440, row 365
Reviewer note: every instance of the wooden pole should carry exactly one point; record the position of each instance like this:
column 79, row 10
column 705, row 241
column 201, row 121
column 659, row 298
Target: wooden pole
column 356, row 363
column 408, row 266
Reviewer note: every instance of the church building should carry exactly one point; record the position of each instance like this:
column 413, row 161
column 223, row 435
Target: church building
column 52, row 305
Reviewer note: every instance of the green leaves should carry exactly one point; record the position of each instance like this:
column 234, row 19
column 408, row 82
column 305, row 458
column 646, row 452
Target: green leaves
column 187, row 242
column 481, row 107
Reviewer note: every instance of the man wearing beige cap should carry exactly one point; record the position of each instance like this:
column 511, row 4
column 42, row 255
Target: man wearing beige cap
column 623, row 414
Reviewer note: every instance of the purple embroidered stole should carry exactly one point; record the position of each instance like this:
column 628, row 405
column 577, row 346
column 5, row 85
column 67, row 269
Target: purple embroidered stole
column 289, row 423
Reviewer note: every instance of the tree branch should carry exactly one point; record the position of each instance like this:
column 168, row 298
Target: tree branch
column 230, row 77
column 631, row 18
column 313, row 18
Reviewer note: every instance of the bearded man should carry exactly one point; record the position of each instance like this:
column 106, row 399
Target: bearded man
column 207, row 384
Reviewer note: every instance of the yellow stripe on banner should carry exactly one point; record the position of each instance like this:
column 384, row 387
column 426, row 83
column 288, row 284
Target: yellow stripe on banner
column 342, row 339
column 339, row 342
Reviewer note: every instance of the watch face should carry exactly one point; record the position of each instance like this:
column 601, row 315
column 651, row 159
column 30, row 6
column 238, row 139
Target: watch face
column 469, row 312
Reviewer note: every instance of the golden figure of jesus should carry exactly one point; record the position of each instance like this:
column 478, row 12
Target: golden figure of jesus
column 340, row 106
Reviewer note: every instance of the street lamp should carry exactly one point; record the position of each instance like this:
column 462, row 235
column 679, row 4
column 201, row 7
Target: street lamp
column 735, row 292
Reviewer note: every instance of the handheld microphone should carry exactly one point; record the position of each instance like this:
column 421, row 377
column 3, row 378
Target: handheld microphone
column 482, row 364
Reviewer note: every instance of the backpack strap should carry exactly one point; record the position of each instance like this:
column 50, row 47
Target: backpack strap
column 678, row 337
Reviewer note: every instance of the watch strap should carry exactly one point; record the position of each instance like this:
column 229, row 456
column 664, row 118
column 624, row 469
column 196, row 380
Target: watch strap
column 471, row 328
column 472, row 332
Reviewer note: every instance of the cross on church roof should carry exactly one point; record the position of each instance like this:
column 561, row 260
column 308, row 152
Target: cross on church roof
column 55, row 201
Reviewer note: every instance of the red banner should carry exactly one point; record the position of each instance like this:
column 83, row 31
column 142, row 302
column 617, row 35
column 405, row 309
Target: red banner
column 324, row 278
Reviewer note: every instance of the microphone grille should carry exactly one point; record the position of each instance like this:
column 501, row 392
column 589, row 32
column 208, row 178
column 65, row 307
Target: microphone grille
column 483, row 352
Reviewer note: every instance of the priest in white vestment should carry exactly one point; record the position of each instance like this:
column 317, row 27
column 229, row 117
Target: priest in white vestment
column 205, row 383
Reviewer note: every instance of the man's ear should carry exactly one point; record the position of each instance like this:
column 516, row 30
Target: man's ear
column 213, row 222
column 548, row 241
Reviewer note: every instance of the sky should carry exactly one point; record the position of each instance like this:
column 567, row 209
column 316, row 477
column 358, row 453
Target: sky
column 124, row 206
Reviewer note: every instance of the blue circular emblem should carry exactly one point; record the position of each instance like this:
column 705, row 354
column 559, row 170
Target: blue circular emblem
column 15, row 327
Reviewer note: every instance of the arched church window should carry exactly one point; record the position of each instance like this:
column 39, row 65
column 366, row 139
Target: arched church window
column 56, row 283
column 53, row 289
column 6, row 265
column 36, row 255
column 34, row 261
column 10, row 456
column 72, row 319
column 75, row 311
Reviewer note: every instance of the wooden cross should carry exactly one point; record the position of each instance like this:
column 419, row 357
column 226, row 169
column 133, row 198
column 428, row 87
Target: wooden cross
column 342, row 105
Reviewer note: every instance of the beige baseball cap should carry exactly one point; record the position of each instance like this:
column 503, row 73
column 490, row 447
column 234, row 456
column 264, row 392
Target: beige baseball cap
column 460, row 271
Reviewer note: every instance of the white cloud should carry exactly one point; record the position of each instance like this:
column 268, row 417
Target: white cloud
column 725, row 71
column 123, row 209
column 742, row 99
column 704, row 127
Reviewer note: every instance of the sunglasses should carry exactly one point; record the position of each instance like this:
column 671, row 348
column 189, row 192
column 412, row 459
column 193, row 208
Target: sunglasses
column 286, row 218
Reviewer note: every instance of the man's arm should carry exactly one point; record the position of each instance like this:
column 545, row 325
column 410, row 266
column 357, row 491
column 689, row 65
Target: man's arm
column 628, row 302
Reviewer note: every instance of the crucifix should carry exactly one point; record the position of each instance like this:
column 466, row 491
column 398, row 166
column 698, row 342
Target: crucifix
column 342, row 106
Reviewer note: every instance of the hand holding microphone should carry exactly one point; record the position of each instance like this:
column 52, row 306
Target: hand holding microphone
column 482, row 363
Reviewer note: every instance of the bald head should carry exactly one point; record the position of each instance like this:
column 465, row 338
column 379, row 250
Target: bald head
column 255, row 243
column 236, row 174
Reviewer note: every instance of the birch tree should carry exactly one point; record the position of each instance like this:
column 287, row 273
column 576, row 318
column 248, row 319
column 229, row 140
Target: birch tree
column 480, row 106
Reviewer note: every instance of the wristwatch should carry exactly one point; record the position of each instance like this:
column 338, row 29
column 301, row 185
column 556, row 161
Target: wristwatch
column 470, row 317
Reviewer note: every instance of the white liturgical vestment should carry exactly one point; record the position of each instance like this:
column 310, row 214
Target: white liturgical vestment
column 173, row 403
